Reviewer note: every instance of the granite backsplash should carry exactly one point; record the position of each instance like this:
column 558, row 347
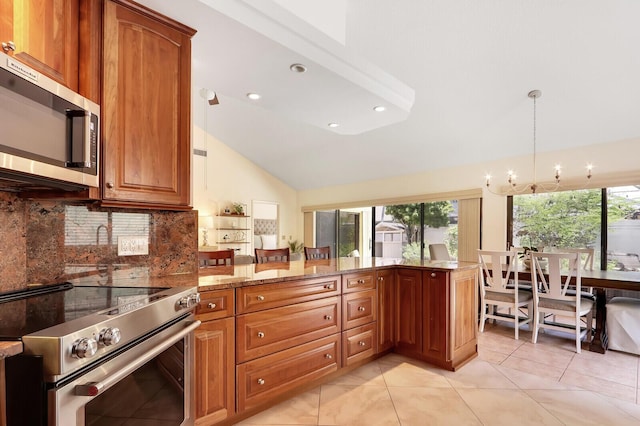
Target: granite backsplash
column 46, row 242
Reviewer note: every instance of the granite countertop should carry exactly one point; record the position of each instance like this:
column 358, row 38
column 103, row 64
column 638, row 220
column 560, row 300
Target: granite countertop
column 217, row 278
column 8, row 349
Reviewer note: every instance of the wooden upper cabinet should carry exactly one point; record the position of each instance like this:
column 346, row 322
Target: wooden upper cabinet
column 45, row 36
column 145, row 108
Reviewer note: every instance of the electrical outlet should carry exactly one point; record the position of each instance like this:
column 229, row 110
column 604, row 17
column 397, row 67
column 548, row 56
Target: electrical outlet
column 132, row 246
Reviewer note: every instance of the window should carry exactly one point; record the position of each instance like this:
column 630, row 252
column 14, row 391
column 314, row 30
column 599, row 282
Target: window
column 623, row 230
column 402, row 230
column 574, row 219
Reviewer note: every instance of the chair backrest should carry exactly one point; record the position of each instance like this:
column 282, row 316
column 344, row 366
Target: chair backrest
column 584, row 254
column 439, row 252
column 317, row 252
column 272, row 255
column 549, row 283
column 209, row 259
column 498, row 269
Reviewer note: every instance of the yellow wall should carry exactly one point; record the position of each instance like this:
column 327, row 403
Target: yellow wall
column 224, row 176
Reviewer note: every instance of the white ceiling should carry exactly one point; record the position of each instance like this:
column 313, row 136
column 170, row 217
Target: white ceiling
column 471, row 64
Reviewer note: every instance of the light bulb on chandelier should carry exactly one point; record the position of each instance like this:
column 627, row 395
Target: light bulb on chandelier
column 514, row 187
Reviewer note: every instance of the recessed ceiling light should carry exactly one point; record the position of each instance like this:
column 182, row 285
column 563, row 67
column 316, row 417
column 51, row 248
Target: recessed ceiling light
column 332, row 125
column 379, row 108
column 253, row 96
column 298, row 68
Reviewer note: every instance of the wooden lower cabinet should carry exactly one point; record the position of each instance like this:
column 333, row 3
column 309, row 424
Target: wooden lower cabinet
column 386, row 309
column 359, row 308
column 265, row 378
column 214, row 371
column 436, row 316
column 408, row 319
column 266, row 332
column 359, row 343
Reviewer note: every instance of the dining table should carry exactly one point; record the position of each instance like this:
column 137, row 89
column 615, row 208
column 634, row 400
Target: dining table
column 600, row 281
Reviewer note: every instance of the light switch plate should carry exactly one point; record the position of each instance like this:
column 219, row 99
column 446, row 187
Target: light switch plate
column 132, row 246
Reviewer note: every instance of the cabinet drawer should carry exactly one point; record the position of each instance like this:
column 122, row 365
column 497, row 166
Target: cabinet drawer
column 358, row 281
column 265, row 378
column 215, row 304
column 359, row 343
column 359, row 308
column 266, row 332
column 266, row 296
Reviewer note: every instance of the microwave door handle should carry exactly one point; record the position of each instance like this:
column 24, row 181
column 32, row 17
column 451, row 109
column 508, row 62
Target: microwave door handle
column 86, row 154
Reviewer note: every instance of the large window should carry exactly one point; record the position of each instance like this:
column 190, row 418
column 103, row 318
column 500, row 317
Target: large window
column 403, row 230
column 574, row 219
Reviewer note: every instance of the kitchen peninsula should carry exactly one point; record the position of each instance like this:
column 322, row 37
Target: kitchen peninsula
column 272, row 330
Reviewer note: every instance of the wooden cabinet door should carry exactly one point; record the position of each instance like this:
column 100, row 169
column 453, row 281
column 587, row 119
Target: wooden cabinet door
column 408, row 331
column 435, row 314
column 215, row 371
column 45, row 35
column 386, row 309
column 146, row 109
column 464, row 326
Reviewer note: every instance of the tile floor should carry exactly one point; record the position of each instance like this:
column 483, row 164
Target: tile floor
column 512, row 382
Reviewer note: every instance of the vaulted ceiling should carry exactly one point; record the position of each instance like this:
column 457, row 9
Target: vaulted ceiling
column 463, row 68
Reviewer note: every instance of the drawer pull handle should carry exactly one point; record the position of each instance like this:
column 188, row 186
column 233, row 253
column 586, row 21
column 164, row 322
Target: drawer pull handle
column 328, row 356
column 261, row 381
column 433, row 275
column 328, row 317
column 360, row 281
column 328, row 286
column 260, row 334
column 380, row 278
column 211, row 305
column 361, row 343
column 361, row 308
column 261, row 298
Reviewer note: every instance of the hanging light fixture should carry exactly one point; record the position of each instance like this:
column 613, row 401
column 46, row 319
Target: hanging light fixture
column 514, row 186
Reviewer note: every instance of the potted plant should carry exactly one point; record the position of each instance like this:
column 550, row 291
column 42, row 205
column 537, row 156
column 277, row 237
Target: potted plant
column 238, row 208
column 525, row 255
column 295, row 249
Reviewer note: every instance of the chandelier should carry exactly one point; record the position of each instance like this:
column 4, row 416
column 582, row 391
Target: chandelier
column 519, row 188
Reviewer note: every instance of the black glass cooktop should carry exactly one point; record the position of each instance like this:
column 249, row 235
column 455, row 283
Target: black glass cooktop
column 24, row 312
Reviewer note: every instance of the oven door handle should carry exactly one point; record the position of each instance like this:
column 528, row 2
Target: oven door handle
column 95, row 388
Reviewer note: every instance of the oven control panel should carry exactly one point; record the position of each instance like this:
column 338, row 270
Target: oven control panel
column 187, row 302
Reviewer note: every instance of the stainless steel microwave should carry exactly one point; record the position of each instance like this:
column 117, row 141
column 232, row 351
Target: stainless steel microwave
column 49, row 135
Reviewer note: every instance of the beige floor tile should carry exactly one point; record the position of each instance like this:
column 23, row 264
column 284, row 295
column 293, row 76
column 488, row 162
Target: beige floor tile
column 631, row 408
column 581, row 408
column 299, row 410
column 491, row 356
column 431, row 406
column 356, row 405
column 368, row 374
column 506, row 407
column 478, row 374
column 545, row 354
column 614, row 358
column 505, row 344
column 525, row 380
column 416, row 376
column 532, row 367
column 595, row 368
column 602, row 386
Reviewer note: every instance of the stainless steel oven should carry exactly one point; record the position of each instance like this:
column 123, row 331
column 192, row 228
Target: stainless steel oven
column 100, row 355
column 150, row 383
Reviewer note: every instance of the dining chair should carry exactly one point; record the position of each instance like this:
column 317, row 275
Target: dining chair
column 272, row 255
column 439, row 252
column 210, row 259
column 311, row 253
column 499, row 289
column 551, row 295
